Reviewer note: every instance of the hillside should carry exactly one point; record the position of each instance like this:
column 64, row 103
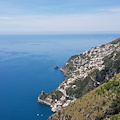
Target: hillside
column 84, row 73
column 101, row 103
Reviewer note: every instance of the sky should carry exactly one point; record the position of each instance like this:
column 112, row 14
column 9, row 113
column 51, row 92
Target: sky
column 59, row 16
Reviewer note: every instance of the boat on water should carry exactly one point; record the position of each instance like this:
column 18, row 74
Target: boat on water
column 37, row 114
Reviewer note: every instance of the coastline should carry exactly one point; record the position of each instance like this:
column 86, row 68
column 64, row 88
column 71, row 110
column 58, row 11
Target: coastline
column 64, row 71
column 43, row 102
column 56, row 105
column 79, row 68
column 47, row 102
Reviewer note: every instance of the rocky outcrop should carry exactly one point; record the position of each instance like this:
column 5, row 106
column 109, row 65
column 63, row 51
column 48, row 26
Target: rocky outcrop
column 64, row 70
column 43, row 102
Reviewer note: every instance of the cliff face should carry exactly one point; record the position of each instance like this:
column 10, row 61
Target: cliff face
column 88, row 70
column 84, row 73
column 101, row 103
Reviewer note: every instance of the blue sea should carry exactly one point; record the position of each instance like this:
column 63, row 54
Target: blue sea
column 27, row 68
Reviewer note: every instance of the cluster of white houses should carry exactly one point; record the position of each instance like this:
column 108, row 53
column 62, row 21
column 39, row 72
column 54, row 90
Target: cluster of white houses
column 83, row 64
column 93, row 59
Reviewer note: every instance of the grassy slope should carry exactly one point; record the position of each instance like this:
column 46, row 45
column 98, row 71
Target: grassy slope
column 113, row 117
column 98, row 104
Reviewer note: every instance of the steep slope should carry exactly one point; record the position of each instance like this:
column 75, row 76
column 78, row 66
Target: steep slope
column 84, row 73
column 92, row 68
column 101, row 103
column 113, row 117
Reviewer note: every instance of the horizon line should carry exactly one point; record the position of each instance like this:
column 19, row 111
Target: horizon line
column 87, row 32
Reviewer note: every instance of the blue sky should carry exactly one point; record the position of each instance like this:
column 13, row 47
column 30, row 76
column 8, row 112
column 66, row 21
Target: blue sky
column 59, row 16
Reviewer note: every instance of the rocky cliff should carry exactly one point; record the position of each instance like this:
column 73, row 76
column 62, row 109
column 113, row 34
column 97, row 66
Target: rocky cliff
column 102, row 103
column 84, row 72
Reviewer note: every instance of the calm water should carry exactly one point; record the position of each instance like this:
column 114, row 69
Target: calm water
column 27, row 67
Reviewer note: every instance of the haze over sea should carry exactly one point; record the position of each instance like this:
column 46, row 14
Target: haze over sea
column 27, row 68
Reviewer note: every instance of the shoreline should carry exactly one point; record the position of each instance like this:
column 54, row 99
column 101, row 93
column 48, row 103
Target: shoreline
column 64, row 71
column 80, row 68
column 43, row 102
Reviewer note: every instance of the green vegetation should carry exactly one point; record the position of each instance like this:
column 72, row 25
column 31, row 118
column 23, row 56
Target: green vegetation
column 101, row 103
column 78, row 92
column 52, row 95
column 43, row 96
column 55, row 95
column 77, row 73
column 112, row 64
column 116, row 41
column 83, row 86
column 113, row 85
column 72, row 57
column 113, row 117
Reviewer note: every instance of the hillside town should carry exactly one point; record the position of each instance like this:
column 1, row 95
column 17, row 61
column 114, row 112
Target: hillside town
column 82, row 65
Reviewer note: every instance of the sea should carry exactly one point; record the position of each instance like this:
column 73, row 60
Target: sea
column 27, row 67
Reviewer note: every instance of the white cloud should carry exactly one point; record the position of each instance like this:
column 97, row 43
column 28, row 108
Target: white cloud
column 62, row 23
column 7, row 18
column 113, row 10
